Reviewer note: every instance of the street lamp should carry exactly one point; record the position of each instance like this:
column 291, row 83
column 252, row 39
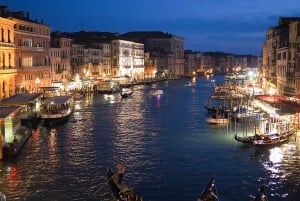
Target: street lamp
column 37, row 82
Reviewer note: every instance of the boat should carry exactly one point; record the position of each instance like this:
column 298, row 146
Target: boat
column 218, row 118
column 156, row 92
column 120, row 191
column 78, row 95
column 57, row 109
column 209, row 193
column 188, row 84
column 244, row 113
column 274, row 134
column 261, row 196
column 125, row 93
column 266, row 139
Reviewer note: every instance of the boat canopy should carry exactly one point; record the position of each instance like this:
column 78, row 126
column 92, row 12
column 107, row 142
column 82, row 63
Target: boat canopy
column 58, row 99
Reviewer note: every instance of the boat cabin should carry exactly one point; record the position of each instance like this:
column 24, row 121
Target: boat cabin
column 30, row 104
column 10, row 122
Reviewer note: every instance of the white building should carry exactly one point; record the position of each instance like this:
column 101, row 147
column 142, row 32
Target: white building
column 128, row 59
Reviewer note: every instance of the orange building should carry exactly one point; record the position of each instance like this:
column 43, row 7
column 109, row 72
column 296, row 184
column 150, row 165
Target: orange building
column 32, row 42
column 7, row 55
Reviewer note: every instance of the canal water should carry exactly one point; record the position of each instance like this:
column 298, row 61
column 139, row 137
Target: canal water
column 169, row 150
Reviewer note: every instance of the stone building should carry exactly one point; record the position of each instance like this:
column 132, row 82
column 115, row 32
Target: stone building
column 128, row 59
column 165, row 48
column 281, row 58
column 7, row 58
column 60, row 62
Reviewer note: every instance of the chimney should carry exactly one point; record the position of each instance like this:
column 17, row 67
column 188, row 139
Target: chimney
column 27, row 15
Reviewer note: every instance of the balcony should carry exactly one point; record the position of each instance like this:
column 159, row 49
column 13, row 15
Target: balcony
column 8, row 71
column 33, row 68
column 290, row 74
column 4, row 44
column 33, row 49
column 289, row 91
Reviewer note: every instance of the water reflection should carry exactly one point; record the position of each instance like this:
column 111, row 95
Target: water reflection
column 168, row 155
column 280, row 167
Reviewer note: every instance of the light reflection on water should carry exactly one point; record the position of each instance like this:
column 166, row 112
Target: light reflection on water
column 169, row 150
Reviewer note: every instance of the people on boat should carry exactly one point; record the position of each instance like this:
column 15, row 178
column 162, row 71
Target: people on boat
column 120, row 171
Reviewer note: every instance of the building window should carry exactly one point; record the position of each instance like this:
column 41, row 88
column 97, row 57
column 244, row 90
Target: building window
column 284, row 55
column 279, row 56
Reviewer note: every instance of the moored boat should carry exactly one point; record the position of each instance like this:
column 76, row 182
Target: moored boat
column 270, row 133
column 57, row 109
column 209, row 193
column 266, row 139
column 216, row 120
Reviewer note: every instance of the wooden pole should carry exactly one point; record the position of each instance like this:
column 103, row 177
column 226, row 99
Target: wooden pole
column 105, row 183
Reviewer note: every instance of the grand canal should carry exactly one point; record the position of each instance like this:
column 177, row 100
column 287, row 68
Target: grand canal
column 169, row 149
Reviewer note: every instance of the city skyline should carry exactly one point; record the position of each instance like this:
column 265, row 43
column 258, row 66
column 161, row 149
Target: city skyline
column 233, row 26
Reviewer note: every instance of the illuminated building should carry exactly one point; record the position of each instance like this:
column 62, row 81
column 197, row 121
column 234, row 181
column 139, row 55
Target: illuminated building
column 128, row 59
column 281, row 57
column 167, row 50
column 32, row 43
column 7, row 55
column 60, row 62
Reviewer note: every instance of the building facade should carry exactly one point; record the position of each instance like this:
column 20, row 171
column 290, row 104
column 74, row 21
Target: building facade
column 280, row 59
column 32, row 43
column 7, row 58
column 128, row 59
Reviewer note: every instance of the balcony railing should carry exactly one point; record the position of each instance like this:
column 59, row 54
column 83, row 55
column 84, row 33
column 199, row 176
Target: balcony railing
column 8, row 71
column 289, row 91
column 4, row 44
column 37, row 49
column 290, row 74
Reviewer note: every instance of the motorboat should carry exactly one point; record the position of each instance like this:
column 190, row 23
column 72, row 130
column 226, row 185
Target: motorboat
column 125, row 93
column 156, row 92
column 57, row 109
column 188, row 84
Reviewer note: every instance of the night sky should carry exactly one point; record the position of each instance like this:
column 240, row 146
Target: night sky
column 232, row 26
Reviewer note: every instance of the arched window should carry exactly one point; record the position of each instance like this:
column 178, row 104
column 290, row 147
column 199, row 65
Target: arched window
column 9, row 59
column 3, row 59
column 3, row 88
column 8, row 36
column 2, row 35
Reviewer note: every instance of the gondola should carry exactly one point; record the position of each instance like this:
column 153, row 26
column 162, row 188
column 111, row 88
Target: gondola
column 261, row 196
column 126, row 94
column 209, row 193
column 120, row 191
column 266, row 139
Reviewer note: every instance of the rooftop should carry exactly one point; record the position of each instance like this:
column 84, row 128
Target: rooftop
column 20, row 99
column 6, row 111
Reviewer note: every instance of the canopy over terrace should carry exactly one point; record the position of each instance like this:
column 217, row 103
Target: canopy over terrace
column 282, row 104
